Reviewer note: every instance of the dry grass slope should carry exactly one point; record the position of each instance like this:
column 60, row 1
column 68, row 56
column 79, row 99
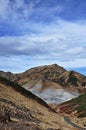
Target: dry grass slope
column 27, row 113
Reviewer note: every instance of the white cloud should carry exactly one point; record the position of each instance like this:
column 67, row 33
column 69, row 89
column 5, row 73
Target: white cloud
column 20, row 10
column 62, row 40
column 77, row 63
column 59, row 41
column 18, row 64
column 14, row 11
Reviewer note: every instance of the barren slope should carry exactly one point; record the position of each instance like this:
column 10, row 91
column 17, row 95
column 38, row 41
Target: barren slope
column 49, row 91
column 26, row 112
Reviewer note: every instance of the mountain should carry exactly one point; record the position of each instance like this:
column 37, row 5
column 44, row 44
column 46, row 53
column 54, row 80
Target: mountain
column 52, row 83
column 21, row 110
column 54, row 73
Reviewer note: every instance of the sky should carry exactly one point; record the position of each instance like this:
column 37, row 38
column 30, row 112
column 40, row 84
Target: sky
column 42, row 32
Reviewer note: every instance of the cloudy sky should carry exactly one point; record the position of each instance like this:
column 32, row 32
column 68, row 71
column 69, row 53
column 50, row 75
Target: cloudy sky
column 41, row 32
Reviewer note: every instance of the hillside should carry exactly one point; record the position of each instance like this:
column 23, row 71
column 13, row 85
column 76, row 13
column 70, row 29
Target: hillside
column 26, row 111
column 52, row 83
column 77, row 104
column 75, row 110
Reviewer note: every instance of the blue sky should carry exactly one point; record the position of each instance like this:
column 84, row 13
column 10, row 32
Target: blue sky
column 42, row 32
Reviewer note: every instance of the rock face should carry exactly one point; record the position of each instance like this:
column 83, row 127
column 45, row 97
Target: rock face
column 52, row 83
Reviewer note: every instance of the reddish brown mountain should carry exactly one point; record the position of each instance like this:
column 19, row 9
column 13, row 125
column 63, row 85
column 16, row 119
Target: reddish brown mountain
column 52, row 83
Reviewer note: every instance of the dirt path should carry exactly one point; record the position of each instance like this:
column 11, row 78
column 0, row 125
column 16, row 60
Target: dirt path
column 74, row 125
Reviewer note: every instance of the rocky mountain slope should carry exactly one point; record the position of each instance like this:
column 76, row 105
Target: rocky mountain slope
column 21, row 110
column 52, row 83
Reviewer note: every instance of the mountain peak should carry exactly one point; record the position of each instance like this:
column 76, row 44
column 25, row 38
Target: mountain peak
column 51, row 79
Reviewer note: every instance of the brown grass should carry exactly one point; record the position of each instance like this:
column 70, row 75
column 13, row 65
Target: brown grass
column 40, row 115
